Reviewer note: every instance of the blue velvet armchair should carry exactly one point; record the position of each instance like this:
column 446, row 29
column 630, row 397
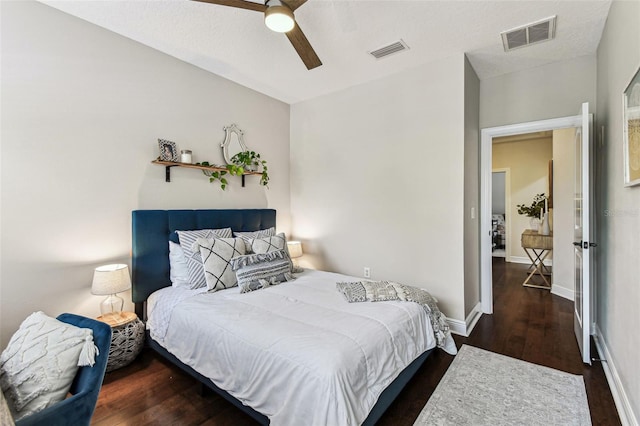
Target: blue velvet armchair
column 77, row 409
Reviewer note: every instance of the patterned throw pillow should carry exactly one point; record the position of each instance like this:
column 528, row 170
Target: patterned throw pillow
column 268, row 244
column 41, row 361
column 193, row 258
column 256, row 271
column 216, row 255
column 248, row 236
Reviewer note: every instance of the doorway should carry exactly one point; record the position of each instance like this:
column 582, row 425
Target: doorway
column 486, row 181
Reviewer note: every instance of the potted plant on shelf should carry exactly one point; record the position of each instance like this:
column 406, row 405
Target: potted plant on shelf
column 244, row 161
column 249, row 161
column 535, row 210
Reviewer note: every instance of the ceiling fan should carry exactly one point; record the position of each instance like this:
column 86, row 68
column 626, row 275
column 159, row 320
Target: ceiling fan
column 278, row 16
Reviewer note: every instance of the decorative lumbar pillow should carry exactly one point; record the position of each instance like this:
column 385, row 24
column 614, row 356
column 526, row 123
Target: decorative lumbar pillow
column 268, row 244
column 216, row 255
column 248, row 236
column 38, row 366
column 178, row 269
column 193, row 258
column 256, row 271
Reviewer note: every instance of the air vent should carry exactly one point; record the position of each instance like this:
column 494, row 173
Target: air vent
column 389, row 49
column 526, row 35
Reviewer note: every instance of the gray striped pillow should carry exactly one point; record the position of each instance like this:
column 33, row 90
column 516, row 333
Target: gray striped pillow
column 256, row 271
column 193, row 258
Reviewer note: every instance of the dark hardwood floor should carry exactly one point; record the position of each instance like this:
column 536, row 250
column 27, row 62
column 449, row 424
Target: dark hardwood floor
column 527, row 323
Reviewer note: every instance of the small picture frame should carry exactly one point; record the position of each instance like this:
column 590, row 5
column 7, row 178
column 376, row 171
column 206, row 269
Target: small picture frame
column 631, row 131
column 168, row 150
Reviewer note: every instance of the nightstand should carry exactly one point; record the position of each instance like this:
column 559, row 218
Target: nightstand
column 127, row 338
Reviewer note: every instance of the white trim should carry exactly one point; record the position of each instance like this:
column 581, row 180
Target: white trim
column 464, row 328
column 487, row 135
column 473, row 318
column 627, row 417
column 457, row 327
column 564, row 292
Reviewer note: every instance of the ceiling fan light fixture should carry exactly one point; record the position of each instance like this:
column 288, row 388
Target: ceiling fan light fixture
column 278, row 17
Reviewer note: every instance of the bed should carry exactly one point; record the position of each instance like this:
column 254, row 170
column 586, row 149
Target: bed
column 271, row 391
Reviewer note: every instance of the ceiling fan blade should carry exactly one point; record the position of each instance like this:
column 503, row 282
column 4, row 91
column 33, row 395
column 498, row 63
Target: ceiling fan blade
column 303, row 47
column 294, row 4
column 240, row 4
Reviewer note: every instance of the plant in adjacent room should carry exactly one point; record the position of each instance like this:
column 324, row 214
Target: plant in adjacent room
column 535, row 208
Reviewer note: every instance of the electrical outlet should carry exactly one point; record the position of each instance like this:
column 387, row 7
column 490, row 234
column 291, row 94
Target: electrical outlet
column 367, row 272
column 473, row 212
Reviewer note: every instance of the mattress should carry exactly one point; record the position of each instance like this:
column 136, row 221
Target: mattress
column 296, row 352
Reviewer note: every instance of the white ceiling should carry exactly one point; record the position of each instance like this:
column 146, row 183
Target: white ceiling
column 235, row 44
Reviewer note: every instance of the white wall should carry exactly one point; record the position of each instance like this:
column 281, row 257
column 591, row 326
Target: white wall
column 550, row 91
column 563, row 211
column 377, row 179
column 618, row 209
column 471, row 188
column 82, row 109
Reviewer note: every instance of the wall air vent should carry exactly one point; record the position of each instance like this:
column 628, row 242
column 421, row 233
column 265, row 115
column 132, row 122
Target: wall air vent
column 389, row 49
column 526, row 35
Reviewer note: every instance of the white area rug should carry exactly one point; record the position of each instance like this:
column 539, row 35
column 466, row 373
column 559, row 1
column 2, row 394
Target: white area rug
column 485, row 388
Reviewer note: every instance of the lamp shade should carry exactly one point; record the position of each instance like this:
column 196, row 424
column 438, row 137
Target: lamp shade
column 111, row 279
column 295, row 248
column 278, row 17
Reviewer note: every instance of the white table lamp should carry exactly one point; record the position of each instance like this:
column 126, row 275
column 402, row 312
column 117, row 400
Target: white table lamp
column 295, row 250
column 109, row 280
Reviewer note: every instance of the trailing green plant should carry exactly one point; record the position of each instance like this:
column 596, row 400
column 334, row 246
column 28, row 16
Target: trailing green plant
column 535, row 208
column 251, row 161
column 217, row 175
column 241, row 162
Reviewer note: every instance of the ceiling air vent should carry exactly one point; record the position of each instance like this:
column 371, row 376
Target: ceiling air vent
column 535, row 32
column 389, row 49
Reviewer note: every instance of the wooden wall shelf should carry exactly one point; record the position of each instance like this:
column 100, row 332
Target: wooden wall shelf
column 169, row 164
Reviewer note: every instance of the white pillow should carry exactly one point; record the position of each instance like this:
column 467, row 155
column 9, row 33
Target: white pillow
column 269, row 244
column 179, row 271
column 41, row 361
column 248, row 236
column 193, row 259
column 216, row 255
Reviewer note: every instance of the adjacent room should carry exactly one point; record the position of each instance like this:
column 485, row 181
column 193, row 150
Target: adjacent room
column 327, row 212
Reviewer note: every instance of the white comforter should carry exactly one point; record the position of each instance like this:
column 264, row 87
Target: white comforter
column 297, row 352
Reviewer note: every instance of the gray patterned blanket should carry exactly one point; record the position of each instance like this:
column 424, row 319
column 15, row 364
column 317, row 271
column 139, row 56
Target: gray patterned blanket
column 378, row 291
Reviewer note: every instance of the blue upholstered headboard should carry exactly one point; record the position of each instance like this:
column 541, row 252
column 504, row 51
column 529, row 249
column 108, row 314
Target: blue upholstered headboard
column 152, row 230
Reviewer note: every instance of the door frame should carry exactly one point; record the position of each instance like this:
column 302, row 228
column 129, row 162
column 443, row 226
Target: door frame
column 486, row 142
column 507, row 208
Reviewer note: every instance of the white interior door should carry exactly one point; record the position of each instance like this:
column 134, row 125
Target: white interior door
column 582, row 236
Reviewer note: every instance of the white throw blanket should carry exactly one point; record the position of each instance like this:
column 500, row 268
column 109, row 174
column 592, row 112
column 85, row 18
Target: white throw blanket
column 378, row 291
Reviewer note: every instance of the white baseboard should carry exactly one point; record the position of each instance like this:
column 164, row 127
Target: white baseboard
column 627, row 417
column 526, row 260
column 563, row 292
column 464, row 328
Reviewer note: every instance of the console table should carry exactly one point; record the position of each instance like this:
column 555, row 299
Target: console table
column 537, row 248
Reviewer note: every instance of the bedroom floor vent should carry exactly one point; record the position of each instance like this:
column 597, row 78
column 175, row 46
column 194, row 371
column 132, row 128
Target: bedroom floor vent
column 389, row 49
column 526, row 35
